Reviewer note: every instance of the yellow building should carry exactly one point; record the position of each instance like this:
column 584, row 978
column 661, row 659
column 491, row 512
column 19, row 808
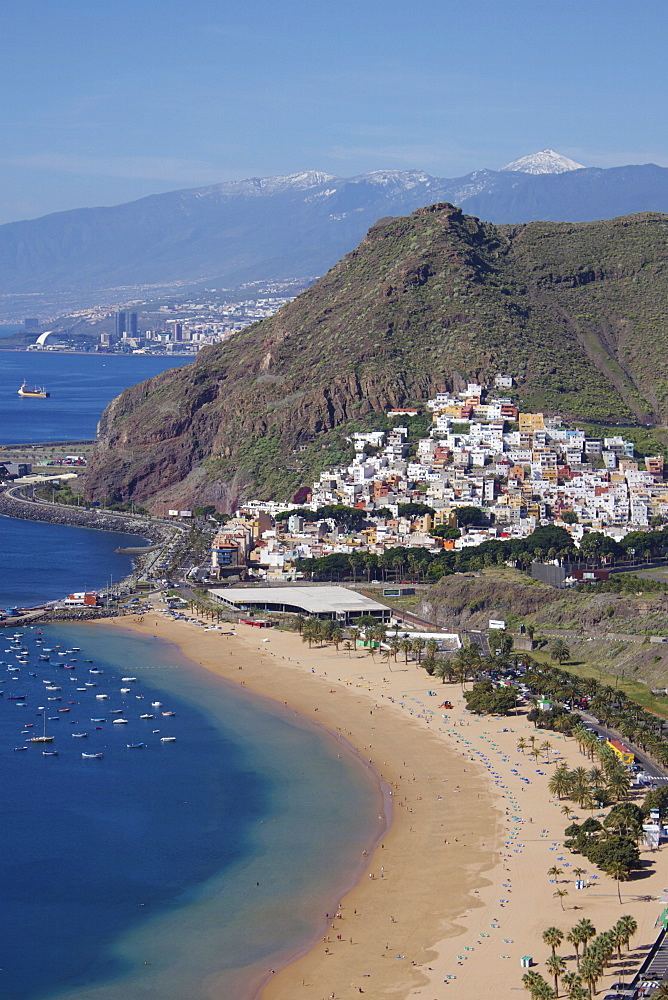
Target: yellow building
column 531, row 422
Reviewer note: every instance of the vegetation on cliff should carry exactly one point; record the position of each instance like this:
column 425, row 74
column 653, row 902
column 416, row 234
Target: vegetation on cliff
column 575, row 313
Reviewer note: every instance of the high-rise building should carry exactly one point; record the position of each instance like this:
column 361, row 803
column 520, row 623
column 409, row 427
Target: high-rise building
column 126, row 324
column 175, row 330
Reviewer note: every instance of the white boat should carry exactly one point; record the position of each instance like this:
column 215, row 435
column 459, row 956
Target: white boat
column 43, row 738
column 120, row 722
column 128, row 679
column 79, row 736
column 93, row 756
column 146, row 716
column 125, row 690
column 156, row 704
column 101, row 697
column 167, row 739
column 168, row 713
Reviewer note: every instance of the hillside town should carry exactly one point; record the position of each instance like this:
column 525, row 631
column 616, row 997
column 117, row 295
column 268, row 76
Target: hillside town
column 509, row 471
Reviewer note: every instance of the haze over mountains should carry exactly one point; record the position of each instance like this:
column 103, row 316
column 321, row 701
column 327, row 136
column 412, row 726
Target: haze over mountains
column 284, row 227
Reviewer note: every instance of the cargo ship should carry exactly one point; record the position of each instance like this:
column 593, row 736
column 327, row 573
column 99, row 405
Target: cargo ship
column 36, row 391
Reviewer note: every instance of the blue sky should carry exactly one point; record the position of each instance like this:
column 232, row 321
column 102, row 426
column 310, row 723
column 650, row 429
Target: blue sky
column 104, row 103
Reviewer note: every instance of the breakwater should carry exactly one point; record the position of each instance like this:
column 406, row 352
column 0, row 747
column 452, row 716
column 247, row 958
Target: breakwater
column 160, row 534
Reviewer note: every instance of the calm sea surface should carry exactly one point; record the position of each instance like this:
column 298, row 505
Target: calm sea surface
column 81, row 385
column 136, row 874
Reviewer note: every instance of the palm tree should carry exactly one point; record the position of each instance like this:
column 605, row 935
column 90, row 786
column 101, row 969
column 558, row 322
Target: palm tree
column 336, row 636
column 630, row 928
column 354, row 635
column 553, row 938
column 535, row 984
column 431, row 647
column 395, row 647
column 591, row 970
column 521, row 744
column 576, row 937
column 418, row 647
column 559, row 651
column 348, row 646
column 554, row 872
column 406, row 647
column 619, row 783
column 560, row 783
column 556, row 966
column 587, row 930
column 560, row 894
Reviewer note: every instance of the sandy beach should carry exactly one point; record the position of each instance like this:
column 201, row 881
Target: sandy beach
column 458, row 890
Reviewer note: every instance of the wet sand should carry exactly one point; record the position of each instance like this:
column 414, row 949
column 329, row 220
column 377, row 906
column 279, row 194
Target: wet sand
column 458, row 890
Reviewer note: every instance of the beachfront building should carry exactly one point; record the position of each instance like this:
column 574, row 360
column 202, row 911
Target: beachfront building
column 337, row 603
column 624, row 753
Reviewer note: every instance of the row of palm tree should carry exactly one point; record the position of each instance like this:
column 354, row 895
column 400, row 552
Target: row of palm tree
column 597, row 951
column 611, row 705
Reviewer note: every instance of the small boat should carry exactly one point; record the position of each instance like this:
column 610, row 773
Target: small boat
column 101, row 697
column 135, row 746
column 52, row 687
column 167, row 739
column 64, row 709
column 168, row 713
column 98, row 720
column 43, row 656
column 79, row 736
column 20, row 748
column 116, row 711
column 49, row 753
column 16, row 697
column 81, row 689
column 156, row 704
column 125, row 690
column 127, row 679
column 120, row 722
column 95, row 671
column 90, row 684
column 147, row 716
column 93, row 756
column 88, row 661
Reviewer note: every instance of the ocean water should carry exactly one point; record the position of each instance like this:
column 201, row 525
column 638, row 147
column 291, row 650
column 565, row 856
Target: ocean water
column 81, row 385
column 136, row 875
column 43, row 562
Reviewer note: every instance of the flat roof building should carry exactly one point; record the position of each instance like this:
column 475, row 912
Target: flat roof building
column 336, row 603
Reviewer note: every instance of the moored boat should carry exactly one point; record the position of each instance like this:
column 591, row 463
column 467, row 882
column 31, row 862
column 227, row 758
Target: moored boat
column 93, row 756
column 34, row 391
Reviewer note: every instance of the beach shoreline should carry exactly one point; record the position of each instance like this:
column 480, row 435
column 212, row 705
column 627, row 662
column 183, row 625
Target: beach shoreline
column 471, row 838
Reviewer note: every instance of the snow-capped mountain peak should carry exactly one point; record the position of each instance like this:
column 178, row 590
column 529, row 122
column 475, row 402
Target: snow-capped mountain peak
column 545, row 162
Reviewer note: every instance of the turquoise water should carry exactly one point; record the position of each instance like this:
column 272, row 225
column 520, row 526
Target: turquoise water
column 143, row 880
column 135, row 876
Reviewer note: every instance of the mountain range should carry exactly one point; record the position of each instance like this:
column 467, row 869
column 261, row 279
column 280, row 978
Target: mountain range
column 289, row 227
column 576, row 312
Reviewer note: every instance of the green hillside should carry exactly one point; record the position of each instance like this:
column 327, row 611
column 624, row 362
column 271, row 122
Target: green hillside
column 576, row 313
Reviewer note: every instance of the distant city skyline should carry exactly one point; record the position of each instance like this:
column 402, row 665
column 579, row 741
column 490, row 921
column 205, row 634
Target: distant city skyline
column 106, row 104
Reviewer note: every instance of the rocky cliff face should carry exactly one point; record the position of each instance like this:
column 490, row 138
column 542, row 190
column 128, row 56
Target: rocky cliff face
column 576, row 313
